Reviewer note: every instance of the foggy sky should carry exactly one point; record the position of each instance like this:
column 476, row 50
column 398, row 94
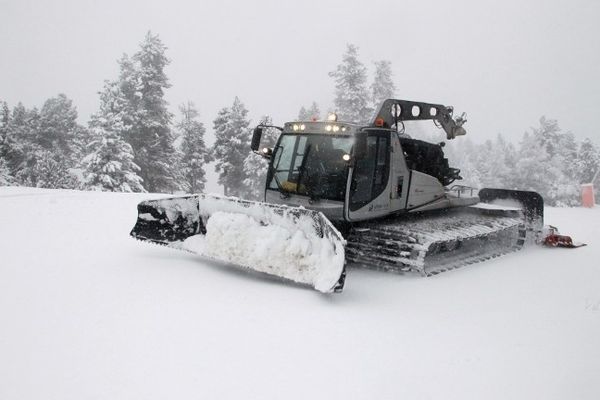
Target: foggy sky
column 505, row 63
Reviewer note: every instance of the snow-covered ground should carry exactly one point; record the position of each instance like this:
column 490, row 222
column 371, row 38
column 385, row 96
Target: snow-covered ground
column 86, row 312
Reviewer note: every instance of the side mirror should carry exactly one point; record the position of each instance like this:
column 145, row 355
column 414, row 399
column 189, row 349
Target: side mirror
column 256, row 135
column 360, row 145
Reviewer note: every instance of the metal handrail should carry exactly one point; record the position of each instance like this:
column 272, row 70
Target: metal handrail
column 462, row 189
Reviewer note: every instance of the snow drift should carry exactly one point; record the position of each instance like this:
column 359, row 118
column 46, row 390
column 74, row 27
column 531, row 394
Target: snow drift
column 86, row 312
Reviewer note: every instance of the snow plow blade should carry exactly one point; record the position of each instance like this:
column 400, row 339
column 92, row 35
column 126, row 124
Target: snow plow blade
column 288, row 242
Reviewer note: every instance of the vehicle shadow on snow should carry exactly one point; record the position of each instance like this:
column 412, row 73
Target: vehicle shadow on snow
column 199, row 263
column 363, row 285
column 358, row 288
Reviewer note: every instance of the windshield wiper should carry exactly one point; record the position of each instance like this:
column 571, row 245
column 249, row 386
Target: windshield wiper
column 277, row 151
column 309, row 190
column 302, row 166
column 283, row 192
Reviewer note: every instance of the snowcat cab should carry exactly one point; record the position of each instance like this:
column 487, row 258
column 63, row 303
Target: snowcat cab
column 354, row 173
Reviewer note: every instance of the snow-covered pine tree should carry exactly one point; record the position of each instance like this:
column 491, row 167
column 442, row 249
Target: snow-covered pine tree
column 21, row 129
column 23, row 124
column 383, row 86
column 37, row 147
column 4, row 115
column 493, row 162
column 504, row 160
column 60, row 134
column 548, row 135
column 6, row 144
column 351, row 95
column 58, row 126
column 303, row 114
column 4, row 119
column 126, row 96
column 537, row 170
column 588, row 162
column 231, row 147
column 481, row 159
column 24, row 127
column 6, row 178
column 256, row 166
column 312, row 113
column 48, row 170
column 110, row 166
column 567, row 155
column 463, row 156
column 136, row 111
column 530, row 169
column 562, row 150
column 194, row 152
column 151, row 137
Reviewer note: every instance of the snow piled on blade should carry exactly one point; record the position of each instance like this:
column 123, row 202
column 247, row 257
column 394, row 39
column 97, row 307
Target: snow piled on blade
column 304, row 248
column 272, row 249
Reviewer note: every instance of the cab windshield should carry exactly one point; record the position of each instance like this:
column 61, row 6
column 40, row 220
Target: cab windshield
column 312, row 165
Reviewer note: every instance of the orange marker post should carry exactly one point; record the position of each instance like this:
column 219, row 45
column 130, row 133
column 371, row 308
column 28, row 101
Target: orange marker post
column 587, row 195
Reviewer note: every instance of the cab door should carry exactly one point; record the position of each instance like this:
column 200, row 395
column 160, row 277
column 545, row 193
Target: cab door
column 368, row 190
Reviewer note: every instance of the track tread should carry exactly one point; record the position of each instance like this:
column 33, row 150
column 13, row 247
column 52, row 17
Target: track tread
column 435, row 244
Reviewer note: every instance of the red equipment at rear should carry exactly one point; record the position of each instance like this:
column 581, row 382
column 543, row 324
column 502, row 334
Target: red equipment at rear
column 553, row 239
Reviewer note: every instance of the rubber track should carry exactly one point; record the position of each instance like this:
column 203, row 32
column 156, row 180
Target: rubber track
column 435, row 244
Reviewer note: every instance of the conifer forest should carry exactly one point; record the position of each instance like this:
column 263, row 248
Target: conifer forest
column 135, row 143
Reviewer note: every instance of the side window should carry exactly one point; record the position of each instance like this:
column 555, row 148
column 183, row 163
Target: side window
column 282, row 159
column 370, row 175
column 362, row 178
column 381, row 175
